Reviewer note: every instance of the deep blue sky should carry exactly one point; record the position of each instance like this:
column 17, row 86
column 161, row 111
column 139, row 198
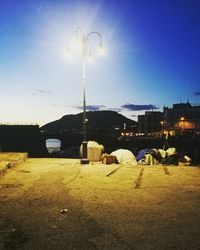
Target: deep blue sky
column 152, row 57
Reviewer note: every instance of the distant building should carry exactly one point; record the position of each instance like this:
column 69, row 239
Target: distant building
column 150, row 122
column 182, row 118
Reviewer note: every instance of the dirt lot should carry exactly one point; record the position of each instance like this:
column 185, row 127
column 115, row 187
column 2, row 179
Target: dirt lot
column 60, row 204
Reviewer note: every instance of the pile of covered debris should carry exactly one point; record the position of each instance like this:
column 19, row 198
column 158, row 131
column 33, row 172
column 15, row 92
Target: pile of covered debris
column 150, row 156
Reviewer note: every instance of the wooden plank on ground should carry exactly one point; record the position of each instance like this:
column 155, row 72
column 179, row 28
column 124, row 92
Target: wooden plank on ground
column 139, row 180
column 166, row 170
column 113, row 171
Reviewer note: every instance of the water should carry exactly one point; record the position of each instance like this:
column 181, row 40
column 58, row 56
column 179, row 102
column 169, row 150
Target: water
column 53, row 145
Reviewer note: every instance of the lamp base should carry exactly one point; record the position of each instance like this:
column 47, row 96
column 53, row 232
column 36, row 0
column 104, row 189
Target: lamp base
column 85, row 161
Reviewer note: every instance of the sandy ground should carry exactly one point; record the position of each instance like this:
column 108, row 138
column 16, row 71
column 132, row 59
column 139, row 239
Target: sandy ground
column 60, row 204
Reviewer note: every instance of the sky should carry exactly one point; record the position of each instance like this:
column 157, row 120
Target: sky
column 152, row 57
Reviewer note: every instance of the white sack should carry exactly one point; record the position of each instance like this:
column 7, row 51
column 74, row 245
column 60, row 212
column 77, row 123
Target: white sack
column 124, row 156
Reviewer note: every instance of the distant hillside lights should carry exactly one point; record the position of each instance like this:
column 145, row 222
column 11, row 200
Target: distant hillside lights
column 127, row 134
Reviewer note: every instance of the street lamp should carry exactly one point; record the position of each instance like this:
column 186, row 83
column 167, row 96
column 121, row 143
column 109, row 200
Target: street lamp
column 82, row 43
column 182, row 124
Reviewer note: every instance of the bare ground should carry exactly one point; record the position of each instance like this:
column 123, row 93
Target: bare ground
column 60, row 204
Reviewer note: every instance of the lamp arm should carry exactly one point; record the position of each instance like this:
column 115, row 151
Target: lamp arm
column 98, row 34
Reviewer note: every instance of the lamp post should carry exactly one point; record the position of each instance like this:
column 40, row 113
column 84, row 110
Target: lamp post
column 182, row 124
column 83, row 42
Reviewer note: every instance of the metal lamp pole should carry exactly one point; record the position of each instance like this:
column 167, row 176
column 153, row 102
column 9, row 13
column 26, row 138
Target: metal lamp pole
column 86, row 53
column 84, row 159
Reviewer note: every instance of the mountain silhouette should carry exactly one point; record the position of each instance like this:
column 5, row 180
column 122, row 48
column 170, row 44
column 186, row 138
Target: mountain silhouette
column 97, row 121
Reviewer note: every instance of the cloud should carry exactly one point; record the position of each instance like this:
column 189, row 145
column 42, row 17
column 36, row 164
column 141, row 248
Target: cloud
column 135, row 107
column 196, row 93
column 91, row 107
column 115, row 109
column 40, row 91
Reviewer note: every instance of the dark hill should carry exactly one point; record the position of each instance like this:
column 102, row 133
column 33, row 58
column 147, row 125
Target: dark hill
column 97, row 120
